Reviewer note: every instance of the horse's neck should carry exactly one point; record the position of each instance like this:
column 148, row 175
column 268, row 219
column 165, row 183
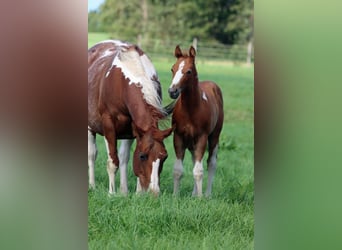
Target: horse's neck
column 143, row 116
column 191, row 96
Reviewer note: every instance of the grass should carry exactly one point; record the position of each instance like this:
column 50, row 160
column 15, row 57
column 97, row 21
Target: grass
column 224, row 221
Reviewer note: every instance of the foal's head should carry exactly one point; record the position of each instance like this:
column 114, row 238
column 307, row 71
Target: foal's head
column 183, row 71
column 149, row 157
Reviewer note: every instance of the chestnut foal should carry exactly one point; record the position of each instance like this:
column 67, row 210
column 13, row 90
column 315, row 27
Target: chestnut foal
column 197, row 120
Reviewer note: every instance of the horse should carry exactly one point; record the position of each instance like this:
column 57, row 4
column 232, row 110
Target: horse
column 197, row 120
column 124, row 102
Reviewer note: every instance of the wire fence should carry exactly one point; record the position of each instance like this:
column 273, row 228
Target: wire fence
column 205, row 51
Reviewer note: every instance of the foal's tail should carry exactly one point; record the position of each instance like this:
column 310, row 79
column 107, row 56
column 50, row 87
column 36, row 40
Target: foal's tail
column 168, row 109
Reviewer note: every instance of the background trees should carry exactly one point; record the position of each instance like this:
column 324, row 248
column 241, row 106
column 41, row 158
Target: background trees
column 218, row 21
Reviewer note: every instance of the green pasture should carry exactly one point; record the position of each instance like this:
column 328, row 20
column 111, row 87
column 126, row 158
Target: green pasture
column 223, row 221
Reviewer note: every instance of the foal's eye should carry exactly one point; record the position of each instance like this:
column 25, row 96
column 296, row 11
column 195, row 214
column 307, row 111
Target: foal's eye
column 143, row 156
column 188, row 72
column 172, row 70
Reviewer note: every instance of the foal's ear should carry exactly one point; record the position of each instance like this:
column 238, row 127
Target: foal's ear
column 178, row 52
column 192, row 51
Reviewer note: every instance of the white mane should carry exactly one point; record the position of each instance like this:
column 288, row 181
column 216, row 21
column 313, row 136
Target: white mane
column 140, row 71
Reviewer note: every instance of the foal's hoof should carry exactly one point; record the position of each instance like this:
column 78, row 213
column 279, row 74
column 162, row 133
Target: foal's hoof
column 111, row 194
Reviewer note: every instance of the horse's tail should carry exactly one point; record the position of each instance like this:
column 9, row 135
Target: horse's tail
column 168, row 109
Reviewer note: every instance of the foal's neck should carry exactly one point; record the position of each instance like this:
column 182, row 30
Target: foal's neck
column 191, row 95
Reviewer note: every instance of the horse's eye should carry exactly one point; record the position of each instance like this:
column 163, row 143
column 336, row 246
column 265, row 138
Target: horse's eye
column 188, row 72
column 143, row 156
column 172, row 70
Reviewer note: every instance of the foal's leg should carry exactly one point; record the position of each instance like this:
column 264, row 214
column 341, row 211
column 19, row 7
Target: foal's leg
column 124, row 153
column 92, row 153
column 178, row 166
column 213, row 142
column 198, row 168
column 113, row 160
column 213, row 148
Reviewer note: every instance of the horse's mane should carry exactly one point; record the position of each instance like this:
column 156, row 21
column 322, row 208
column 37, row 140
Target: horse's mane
column 139, row 70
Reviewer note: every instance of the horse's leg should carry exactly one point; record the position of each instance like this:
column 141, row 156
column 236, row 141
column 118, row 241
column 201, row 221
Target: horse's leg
column 198, row 168
column 92, row 153
column 213, row 148
column 113, row 160
column 124, row 153
column 139, row 188
column 178, row 166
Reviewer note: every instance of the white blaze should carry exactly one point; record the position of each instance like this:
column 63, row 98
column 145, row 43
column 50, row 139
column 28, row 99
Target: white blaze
column 178, row 76
column 204, row 96
column 154, row 184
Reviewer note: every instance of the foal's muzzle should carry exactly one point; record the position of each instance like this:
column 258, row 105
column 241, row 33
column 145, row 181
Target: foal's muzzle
column 174, row 93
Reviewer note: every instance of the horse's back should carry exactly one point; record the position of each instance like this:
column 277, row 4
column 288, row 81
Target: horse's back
column 120, row 75
column 211, row 89
column 214, row 97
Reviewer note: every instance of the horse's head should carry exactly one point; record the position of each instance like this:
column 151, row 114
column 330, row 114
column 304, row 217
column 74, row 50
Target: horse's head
column 149, row 157
column 183, row 71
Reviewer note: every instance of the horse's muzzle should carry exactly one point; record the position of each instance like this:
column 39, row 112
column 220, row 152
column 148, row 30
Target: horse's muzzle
column 174, row 93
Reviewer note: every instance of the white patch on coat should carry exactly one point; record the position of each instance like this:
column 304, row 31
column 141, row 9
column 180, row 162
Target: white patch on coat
column 178, row 168
column 111, row 169
column 148, row 66
column 116, row 42
column 204, row 97
column 179, row 74
column 124, row 153
column 198, row 169
column 92, row 151
column 139, row 188
column 138, row 70
column 154, row 183
column 108, row 52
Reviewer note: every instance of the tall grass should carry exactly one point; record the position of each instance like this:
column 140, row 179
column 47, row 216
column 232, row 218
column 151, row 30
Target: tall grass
column 224, row 221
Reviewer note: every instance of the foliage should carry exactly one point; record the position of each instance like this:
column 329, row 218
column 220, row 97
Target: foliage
column 224, row 21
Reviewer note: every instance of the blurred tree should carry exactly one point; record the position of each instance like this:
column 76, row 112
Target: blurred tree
column 223, row 21
column 121, row 18
column 93, row 23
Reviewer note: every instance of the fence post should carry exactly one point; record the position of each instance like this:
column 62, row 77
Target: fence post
column 249, row 51
column 194, row 43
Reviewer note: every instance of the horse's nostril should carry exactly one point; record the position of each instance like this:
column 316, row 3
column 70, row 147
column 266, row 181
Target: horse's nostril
column 173, row 93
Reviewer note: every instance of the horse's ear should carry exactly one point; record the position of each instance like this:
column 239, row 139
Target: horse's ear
column 192, row 51
column 137, row 132
column 178, row 52
column 162, row 134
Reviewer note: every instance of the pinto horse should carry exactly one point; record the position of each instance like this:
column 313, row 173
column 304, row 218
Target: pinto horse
column 197, row 119
column 124, row 102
